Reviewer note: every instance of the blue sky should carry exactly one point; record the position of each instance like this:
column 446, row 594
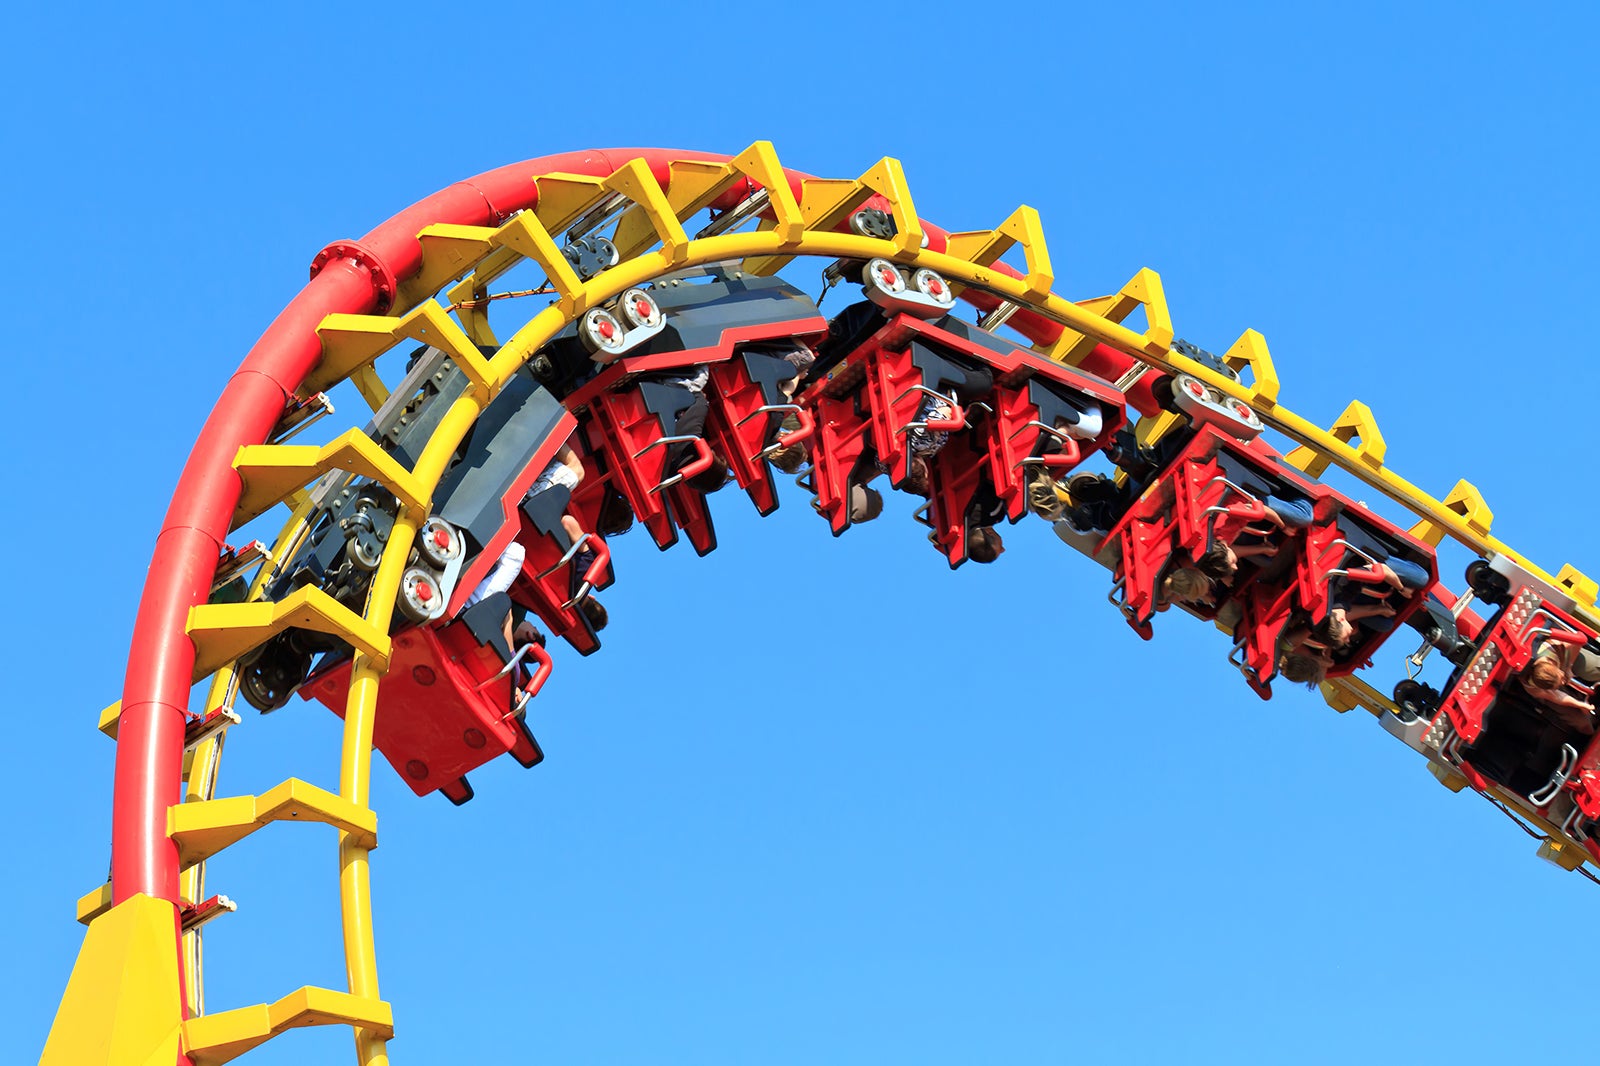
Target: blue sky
column 816, row 799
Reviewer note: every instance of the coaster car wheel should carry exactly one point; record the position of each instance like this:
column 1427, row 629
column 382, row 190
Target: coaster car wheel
column 1490, row 587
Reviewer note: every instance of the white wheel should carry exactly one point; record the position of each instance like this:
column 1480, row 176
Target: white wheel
column 1241, row 410
column 884, row 275
column 420, row 598
column 639, row 309
column 934, row 287
column 600, row 330
column 438, row 543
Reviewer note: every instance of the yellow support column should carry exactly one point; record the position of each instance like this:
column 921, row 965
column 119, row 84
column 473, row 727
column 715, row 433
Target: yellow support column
column 122, row 1006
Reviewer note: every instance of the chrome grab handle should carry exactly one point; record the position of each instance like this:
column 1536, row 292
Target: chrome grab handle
column 1542, row 796
column 768, row 409
column 909, row 426
column 1218, row 509
column 1342, row 543
column 680, row 439
column 1239, row 663
column 566, row 558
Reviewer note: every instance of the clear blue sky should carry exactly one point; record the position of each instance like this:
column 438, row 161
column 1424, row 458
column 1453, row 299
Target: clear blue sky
column 818, row 800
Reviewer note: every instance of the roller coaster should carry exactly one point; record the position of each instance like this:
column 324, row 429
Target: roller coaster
column 433, row 566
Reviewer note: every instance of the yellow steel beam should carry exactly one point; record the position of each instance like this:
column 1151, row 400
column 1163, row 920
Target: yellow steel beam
column 985, row 247
column 429, row 323
column 1250, row 353
column 1355, row 426
column 94, row 903
column 349, row 342
column 637, row 183
column 1144, row 289
column 805, row 228
column 369, row 385
column 272, row 471
column 449, row 252
column 222, row 632
column 214, row 1039
column 529, row 238
column 204, row 827
column 109, row 719
column 1464, row 500
column 565, row 198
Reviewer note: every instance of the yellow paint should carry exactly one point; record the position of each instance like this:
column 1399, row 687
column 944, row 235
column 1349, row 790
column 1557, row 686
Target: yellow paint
column 271, row 471
column 564, row 198
column 1144, row 289
column 122, row 1006
column 224, row 631
column 652, row 227
column 1356, row 425
column 1563, row 854
column 430, row 324
column 205, row 827
column 1447, row 777
column 1249, row 352
column 1464, row 500
column 527, row 237
column 214, row 1039
column 635, row 181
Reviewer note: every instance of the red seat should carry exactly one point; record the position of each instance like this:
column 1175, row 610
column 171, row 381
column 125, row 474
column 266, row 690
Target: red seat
column 633, row 440
column 1504, row 652
column 548, row 584
column 843, row 433
column 445, row 707
column 746, row 406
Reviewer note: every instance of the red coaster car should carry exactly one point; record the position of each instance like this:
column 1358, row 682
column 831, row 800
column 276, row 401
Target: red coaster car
column 448, row 703
column 1488, row 725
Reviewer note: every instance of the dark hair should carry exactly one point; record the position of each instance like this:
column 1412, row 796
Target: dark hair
column 917, row 474
column 1322, row 633
column 1213, row 562
column 983, row 544
column 871, row 503
column 615, row 517
column 527, row 633
column 595, row 612
column 711, row 478
column 1302, row 670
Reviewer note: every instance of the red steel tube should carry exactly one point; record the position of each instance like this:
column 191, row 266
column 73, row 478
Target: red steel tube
column 353, row 278
column 148, row 774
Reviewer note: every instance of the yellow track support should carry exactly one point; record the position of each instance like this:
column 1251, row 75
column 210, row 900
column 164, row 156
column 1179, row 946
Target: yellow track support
column 122, row 1001
column 222, row 632
column 272, row 471
column 203, row 828
column 217, row 1038
column 650, row 231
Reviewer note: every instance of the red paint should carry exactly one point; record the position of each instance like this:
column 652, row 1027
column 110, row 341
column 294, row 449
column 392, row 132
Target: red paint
column 350, row 277
column 434, row 731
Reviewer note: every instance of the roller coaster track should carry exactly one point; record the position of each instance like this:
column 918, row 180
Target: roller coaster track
column 136, row 994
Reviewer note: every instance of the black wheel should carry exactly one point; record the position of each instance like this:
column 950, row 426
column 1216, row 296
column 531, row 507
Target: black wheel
column 269, row 678
column 1162, row 391
column 1490, row 587
column 1415, row 700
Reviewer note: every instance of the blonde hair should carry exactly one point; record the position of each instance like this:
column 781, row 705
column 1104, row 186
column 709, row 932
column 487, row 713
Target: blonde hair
column 1043, row 500
column 1187, row 584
